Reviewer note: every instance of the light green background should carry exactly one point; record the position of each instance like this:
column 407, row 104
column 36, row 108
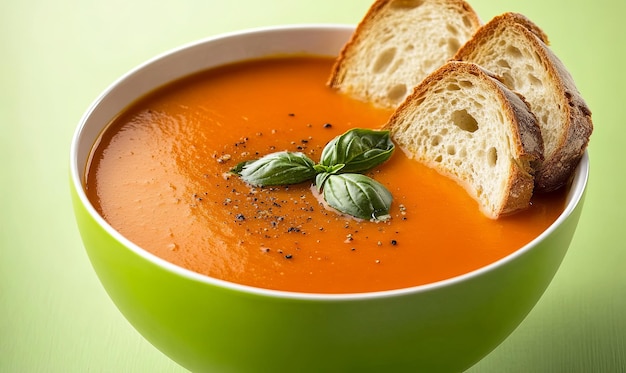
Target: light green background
column 56, row 57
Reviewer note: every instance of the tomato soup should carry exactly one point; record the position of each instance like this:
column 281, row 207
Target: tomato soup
column 159, row 175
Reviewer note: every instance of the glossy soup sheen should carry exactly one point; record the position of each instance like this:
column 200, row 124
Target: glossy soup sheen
column 159, row 175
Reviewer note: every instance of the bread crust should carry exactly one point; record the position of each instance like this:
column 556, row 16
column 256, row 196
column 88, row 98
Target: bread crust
column 558, row 166
column 526, row 147
column 372, row 21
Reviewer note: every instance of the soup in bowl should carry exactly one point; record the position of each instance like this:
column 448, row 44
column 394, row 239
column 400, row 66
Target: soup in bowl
column 224, row 276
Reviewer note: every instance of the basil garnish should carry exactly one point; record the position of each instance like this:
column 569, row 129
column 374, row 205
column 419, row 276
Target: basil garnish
column 359, row 150
column 358, row 195
column 279, row 168
column 337, row 176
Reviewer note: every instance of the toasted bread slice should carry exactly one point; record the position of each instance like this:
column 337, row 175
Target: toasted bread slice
column 398, row 43
column 467, row 125
column 514, row 48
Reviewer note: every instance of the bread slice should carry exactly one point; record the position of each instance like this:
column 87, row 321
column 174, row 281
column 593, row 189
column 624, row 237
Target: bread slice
column 514, row 48
column 397, row 44
column 469, row 126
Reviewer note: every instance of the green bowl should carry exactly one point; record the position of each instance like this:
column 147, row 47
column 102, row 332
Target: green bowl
column 206, row 324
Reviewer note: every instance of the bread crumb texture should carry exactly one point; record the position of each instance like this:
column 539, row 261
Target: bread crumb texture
column 397, row 44
column 514, row 48
column 460, row 122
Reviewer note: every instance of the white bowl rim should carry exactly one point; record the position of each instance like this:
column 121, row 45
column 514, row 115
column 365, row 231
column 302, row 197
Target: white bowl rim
column 575, row 195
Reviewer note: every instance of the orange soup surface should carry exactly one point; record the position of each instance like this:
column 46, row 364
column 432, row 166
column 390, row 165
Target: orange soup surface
column 159, row 175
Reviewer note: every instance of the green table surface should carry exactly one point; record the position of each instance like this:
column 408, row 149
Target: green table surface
column 57, row 56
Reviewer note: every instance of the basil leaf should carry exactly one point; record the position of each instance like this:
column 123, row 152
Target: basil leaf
column 320, row 180
column 357, row 195
column 239, row 167
column 279, row 168
column 358, row 149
